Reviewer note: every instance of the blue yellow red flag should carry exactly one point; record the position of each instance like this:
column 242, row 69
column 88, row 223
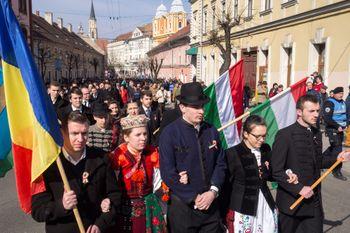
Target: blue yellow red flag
column 34, row 129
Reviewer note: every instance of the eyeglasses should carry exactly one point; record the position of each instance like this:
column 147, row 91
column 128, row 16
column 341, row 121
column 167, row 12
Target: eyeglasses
column 258, row 137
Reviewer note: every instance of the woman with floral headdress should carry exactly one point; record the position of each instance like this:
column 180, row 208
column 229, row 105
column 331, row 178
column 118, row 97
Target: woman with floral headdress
column 137, row 168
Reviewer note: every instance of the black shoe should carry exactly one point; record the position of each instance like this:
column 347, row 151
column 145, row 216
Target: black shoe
column 339, row 176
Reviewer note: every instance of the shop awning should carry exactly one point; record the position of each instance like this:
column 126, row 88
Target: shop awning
column 192, row 51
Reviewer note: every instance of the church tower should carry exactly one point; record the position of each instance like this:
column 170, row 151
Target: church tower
column 167, row 23
column 92, row 23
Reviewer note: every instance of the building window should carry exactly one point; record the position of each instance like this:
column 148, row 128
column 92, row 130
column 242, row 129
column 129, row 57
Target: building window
column 223, row 9
column 288, row 55
column 23, row 6
column 250, row 9
column 266, row 6
column 213, row 19
column 235, row 9
column 180, row 25
column 205, row 20
column 321, row 57
column 288, row 3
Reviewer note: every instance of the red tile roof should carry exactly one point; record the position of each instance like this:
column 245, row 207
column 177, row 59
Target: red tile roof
column 182, row 33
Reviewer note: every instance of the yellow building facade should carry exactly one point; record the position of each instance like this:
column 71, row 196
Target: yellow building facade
column 280, row 41
column 167, row 23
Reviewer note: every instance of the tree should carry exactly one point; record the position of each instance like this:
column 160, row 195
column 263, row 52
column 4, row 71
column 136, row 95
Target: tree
column 44, row 57
column 225, row 23
column 76, row 62
column 142, row 66
column 95, row 63
column 154, row 66
column 69, row 63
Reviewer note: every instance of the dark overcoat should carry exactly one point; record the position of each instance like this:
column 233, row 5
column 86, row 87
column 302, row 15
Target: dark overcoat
column 47, row 206
column 183, row 148
column 300, row 149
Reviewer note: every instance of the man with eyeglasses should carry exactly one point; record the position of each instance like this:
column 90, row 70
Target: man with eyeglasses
column 299, row 147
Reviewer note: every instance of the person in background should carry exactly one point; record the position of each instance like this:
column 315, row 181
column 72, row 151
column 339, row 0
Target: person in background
column 347, row 131
column 273, row 90
column 335, row 119
column 100, row 134
column 124, row 95
column 162, row 96
column 54, row 93
column 261, row 92
column 75, row 99
column 132, row 109
column 246, row 96
column 318, row 83
column 280, row 88
column 86, row 96
column 115, row 115
column 323, row 92
column 152, row 114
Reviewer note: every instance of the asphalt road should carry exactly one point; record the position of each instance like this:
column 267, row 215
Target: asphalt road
column 336, row 202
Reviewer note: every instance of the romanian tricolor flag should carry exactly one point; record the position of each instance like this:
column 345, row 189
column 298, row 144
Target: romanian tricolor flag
column 35, row 134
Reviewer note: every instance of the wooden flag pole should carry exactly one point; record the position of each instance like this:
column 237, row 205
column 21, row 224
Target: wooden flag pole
column 231, row 123
column 156, row 131
column 67, row 188
column 317, row 182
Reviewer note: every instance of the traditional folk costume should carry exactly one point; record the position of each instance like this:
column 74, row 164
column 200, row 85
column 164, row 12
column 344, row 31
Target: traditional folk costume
column 251, row 206
column 138, row 179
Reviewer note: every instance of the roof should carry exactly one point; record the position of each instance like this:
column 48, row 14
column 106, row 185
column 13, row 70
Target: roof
column 124, row 36
column 102, row 43
column 45, row 31
column 183, row 33
column 146, row 29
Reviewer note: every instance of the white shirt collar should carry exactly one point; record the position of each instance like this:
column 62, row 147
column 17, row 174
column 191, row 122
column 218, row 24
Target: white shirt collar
column 77, row 109
column 70, row 159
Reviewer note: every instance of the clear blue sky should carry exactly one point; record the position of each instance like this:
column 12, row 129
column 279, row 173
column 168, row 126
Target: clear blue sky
column 132, row 13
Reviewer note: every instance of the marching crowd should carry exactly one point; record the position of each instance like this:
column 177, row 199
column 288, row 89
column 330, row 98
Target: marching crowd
column 134, row 166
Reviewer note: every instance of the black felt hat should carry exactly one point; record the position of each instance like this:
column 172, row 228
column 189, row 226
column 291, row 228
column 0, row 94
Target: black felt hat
column 192, row 94
column 99, row 110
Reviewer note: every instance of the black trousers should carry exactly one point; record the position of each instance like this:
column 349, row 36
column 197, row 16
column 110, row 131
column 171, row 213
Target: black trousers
column 182, row 218
column 335, row 140
column 295, row 224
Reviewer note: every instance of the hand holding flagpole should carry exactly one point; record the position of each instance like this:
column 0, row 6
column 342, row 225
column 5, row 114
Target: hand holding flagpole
column 343, row 156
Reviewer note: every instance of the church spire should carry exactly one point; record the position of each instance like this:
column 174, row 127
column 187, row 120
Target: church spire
column 92, row 12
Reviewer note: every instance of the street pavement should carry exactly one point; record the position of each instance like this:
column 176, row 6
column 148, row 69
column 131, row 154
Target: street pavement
column 336, row 202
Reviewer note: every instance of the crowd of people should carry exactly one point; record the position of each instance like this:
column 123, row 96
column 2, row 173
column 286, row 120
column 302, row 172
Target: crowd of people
column 135, row 166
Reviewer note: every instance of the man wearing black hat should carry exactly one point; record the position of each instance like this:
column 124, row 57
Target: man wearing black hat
column 335, row 119
column 100, row 134
column 184, row 148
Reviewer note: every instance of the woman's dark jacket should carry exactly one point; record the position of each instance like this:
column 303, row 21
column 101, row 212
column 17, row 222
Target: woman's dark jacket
column 243, row 181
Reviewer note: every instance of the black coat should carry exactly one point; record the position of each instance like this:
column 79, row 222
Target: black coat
column 63, row 113
column 152, row 125
column 244, row 181
column 47, row 206
column 299, row 149
column 60, row 103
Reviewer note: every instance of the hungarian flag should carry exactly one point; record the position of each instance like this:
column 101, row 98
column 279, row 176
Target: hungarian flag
column 226, row 103
column 35, row 135
column 280, row 111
